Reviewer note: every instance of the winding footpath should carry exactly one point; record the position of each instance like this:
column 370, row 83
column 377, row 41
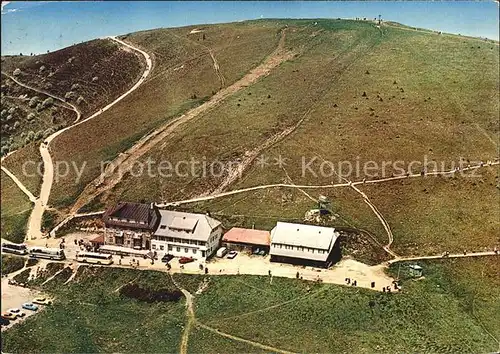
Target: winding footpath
column 21, row 186
column 323, row 186
column 126, row 161
column 65, row 104
column 35, row 221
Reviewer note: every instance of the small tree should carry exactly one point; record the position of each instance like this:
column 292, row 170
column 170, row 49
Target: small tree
column 33, row 102
column 30, row 136
column 48, row 102
column 30, row 117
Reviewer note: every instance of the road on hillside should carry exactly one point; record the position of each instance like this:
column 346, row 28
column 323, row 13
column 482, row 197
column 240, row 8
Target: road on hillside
column 126, row 161
column 35, row 221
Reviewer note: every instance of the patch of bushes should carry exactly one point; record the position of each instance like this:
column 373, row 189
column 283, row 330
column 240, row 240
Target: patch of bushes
column 31, row 262
column 11, row 264
column 134, row 291
column 48, row 220
column 23, row 276
column 33, row 102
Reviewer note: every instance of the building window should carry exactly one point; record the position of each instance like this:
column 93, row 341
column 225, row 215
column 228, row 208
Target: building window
column 186, row 250
column 153, row 247
column 162, row 247
column 170, row 247
column 194, row 251
column 178, row 249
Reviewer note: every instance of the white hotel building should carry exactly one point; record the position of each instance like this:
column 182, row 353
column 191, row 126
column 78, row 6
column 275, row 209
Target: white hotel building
column 186, row 235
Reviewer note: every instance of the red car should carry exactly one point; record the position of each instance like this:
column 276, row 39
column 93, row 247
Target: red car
column 184, row 260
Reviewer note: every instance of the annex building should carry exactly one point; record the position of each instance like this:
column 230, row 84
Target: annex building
column 241, row 239
column 300, row 244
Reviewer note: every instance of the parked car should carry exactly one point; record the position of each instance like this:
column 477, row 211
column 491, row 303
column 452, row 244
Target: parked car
column 221, row 252
column 9, row 316
column 30, row 306
column 16, row 312
column 4, row 321
column 232, row 254
column 184, row 260
column 262, row 252
column 42, row 301
column 167, row 258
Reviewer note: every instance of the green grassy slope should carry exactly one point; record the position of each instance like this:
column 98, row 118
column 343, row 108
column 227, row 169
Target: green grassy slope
column 89, row 315
column 454, row 308
column 16, row 209
column 182, row 79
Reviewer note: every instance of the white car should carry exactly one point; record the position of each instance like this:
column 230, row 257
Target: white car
column 232, row 254
column 16, row 312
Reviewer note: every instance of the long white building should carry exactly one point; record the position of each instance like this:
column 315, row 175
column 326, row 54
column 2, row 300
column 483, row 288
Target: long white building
column 186, row 235
column 303, row 244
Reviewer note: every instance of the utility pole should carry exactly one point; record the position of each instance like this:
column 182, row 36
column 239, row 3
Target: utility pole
column 379, row 19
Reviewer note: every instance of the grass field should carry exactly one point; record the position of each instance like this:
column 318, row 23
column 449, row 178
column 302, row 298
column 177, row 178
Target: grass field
column 27, row 165
column 166, row 94
column 452, row 309
column 96, row 70
column 90, row 316
column 358, row 107
column 11, row 264
column 16, row 209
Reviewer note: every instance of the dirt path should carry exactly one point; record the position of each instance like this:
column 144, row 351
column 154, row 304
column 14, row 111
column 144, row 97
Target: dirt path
column 239, row 339
column 35, row 221
column 21, row 186
column 324, row 186
column 237, row 172
column 217, row 68
column 65, row 104
column 191, row 320
column 458, row 255
column 379, row 215
column 124, row 163
column 189, row 315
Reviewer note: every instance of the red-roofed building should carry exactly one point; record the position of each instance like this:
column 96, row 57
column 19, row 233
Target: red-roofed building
column 97, row 241
column 239, row 238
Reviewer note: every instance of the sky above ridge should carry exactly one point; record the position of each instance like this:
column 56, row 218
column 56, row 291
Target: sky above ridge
column 38, row 26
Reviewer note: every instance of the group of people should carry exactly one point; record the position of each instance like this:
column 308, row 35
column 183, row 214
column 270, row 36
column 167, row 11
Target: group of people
column 134, row 263
column 353, row 282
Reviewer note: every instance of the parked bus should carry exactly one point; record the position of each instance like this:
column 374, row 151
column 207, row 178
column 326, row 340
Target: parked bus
column 94, row 257
column 14, row 248
column 50, row 253
column 125, row 251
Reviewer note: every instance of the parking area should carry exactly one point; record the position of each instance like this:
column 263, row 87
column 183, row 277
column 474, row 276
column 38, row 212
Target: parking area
column 14, row 296
column 243, row 263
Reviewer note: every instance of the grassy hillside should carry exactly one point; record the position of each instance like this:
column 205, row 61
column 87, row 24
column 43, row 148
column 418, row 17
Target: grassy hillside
column 29, row 116
column 183, row 78
column 89, row 315
column 16, row 209
column 97, row 71
column 358, row 94
column 452, row 309
column 27, row 165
